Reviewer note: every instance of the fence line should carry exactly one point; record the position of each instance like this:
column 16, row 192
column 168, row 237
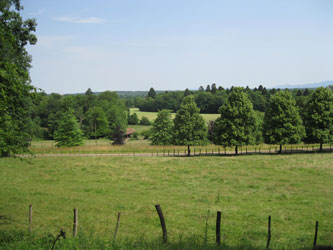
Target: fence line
column 175, row 152
column 219, row 221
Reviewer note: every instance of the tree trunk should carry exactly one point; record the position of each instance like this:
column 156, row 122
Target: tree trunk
column 236, row 150
column 280, row 151
column 188, row 150
column 321, row 147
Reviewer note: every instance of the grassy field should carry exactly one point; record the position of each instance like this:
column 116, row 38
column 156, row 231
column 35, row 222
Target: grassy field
column 152, row 115
column 296, row 190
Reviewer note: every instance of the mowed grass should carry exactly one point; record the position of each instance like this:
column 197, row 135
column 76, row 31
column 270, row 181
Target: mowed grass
column 296, row 190
column 152, row 115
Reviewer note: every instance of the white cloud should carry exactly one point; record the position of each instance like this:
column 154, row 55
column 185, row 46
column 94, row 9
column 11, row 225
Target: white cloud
column 68, row 19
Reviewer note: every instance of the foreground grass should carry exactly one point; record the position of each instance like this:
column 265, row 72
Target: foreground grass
column 296, row 190
column 21, row 240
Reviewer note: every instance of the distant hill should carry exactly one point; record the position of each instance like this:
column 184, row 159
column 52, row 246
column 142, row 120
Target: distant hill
column 304, row 86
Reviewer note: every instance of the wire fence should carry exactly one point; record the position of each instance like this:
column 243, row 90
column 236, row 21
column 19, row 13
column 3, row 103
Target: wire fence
column 142, row 148
column 214, row 226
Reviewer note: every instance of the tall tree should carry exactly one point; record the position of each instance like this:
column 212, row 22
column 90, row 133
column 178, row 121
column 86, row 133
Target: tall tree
column 318, row 118
column 68, row 133
column 282, row 122
column 214, row 89
column 237, row 124
column 152, row 93
column 161, row 132
column 189, row 126
column 15, row 88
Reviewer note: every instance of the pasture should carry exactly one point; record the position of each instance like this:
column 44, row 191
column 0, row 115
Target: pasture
column 296, row 190
column 152, row 115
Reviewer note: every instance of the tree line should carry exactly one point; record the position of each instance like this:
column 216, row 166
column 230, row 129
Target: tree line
column 238, row 125
column 209, row 100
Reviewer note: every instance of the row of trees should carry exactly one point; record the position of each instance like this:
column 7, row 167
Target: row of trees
column 238, row 126
column 209, row 100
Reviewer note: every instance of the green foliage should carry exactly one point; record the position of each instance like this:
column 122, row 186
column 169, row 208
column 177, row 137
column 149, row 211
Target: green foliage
column 15, row 88
column 118, row 135
column 133, row 119
column 282, row 122
column 189, row 126
column 161, row 132
column 68, row 133
column 144, row 121
column 96, row 123
column 237, row 124
column 318, row 118
column 152, row 93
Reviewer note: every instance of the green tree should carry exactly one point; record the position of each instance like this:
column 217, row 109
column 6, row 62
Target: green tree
column 68, row 133
column 97, row 123
column 318, row 118
column 133, row 119
column 152, row 93
column 161, row 132
column 15, row 88
column 144, row 121
column 237, row 124
column 189, row 126
column 282, row 122
column 118, row 135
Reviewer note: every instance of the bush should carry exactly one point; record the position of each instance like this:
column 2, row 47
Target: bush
column 133, row 119
column 145, row 121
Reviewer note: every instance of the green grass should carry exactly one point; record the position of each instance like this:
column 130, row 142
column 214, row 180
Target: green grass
column 296, row 190
column 140, row 128
column 152, row 115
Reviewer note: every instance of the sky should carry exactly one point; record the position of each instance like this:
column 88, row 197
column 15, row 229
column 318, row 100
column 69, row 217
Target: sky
column 173, row 44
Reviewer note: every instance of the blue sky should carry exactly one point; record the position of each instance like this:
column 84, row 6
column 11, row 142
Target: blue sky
column 169, row 45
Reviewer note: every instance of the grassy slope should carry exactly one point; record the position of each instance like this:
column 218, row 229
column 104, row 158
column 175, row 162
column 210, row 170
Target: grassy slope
column 296, row 190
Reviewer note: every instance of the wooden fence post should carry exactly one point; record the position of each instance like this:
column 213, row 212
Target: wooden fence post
column 269, row 232
column 75, row 222
column 219, row 152
column 315, row 237
column 30, row 217
column 164, row 230
column 218, row 228
column 117, row 226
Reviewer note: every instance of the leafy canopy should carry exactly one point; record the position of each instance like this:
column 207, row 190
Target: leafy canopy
column 15, row 88
column 237, row 123
column 68, row 133
column 282, row 122
column 189, row 126
column 161, row 132
column 319, row 116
